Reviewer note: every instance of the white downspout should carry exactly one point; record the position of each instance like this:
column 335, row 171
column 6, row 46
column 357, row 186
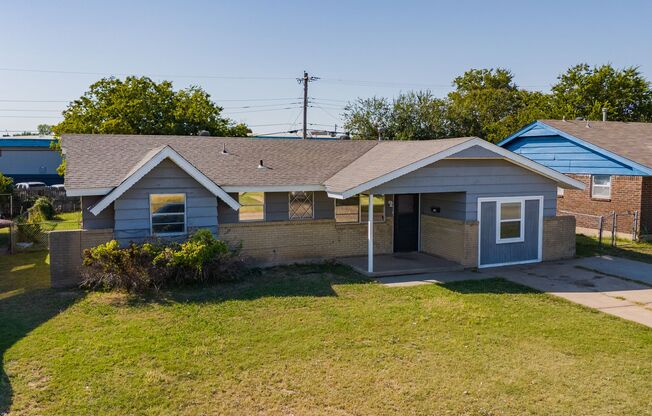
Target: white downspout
column 370, row 235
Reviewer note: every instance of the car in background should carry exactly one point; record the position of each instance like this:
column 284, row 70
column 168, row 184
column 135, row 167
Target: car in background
column 30, row 185
column 58, row 187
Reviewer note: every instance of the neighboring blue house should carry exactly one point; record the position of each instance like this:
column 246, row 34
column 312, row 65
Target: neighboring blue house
column 613, row 159
column 27, row 159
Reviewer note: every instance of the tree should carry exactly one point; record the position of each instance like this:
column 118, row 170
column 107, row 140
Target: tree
column 365, row 116
column 582, row 91
column 6, row 184
column 44, row 129
column 139, row 105
column 482, row 99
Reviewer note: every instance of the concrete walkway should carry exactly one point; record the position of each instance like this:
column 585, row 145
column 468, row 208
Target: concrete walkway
column 575, row 280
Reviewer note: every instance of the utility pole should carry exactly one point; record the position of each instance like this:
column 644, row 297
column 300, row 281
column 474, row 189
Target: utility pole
column 305, row 80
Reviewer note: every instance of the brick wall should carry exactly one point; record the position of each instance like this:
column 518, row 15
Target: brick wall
column 66, row 249
column 286, row 241
column 558, row 237
column 451, row 239
column 646, row 207
column 626, row 197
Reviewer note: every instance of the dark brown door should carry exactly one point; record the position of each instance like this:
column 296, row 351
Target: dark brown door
column 406, row 222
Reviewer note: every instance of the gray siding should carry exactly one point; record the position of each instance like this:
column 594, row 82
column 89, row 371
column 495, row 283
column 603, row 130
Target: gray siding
column 477, row 152
column 132, row 208
column 478, row 178
column 225, row 213
column 452, row 205
column 492, row 253
column 91, row 222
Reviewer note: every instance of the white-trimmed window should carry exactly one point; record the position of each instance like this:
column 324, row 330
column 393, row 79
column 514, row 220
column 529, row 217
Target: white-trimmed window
column 167, row 214
column 356, row 209
column 510, row 220
column 601, row 186
column 301, row 205
column 560, row 192
column 252, row 206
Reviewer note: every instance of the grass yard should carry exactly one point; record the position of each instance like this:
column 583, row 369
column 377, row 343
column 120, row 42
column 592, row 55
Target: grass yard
column 63, row 221
column 315, row 340
column 588, row 246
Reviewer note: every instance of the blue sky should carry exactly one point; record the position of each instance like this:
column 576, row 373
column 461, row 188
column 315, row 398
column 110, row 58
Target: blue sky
column 377, row 47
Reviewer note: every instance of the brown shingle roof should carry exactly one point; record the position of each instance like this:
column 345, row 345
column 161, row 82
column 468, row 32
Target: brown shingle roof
column 385, row 158
column 103, row 161
column 632, row 141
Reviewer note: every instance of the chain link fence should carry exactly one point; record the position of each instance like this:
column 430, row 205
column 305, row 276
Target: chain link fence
column 34, row 236
column 615, row 228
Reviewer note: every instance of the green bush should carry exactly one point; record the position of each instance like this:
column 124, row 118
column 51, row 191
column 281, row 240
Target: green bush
column 136, row 268
column 42, row 210
column 6, row 184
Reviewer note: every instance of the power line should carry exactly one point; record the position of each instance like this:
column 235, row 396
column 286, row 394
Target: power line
column 327, row 112
column 261, row 105
column 260, row 111
column 122, row 74
column 32, row 116
column 15, row 109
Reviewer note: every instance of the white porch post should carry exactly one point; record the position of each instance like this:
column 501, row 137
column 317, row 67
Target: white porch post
column 370, row 235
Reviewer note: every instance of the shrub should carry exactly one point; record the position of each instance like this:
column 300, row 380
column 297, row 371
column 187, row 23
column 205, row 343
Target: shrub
column 42, row 210
column 6, row 184
column 136, row 268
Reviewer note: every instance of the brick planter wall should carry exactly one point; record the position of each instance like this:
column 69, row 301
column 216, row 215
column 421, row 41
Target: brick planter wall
column 451, row 239
column 627, row 196
column 277, row 242
column 66, row 249
column 558, row 237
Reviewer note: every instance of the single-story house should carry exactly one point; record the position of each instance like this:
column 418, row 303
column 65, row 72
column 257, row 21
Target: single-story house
column 30, row 159
column 614, row 161
column 462, row 199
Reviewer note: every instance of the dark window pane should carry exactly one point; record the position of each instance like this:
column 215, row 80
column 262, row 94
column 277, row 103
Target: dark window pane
column 166, row 219
column 510, row 229
column 167, row 228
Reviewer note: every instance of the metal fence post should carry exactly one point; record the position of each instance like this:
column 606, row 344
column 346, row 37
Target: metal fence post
column 635, row 226
column 600, row 226
column 613, row 228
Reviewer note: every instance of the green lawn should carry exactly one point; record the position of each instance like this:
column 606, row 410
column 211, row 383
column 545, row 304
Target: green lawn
column 63, row 221
column 314, row 340
column 588, row 246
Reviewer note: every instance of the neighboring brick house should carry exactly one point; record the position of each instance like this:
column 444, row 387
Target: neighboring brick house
column 613, row 160
column 292, row 200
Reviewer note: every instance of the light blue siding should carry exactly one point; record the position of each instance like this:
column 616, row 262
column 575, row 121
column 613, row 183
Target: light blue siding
column 493, row 253
column 566, row 156
column 131, row 210
column 476, row 178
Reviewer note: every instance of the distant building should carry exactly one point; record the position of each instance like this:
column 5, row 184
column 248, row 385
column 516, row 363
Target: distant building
column 27, row 159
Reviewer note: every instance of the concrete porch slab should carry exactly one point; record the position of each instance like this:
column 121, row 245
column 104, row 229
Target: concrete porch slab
column 399, row 264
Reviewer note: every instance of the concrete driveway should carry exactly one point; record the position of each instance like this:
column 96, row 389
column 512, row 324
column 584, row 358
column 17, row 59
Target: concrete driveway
column 591, row 282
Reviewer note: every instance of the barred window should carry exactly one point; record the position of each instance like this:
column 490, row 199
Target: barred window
column 301, row 205
column 167, row 214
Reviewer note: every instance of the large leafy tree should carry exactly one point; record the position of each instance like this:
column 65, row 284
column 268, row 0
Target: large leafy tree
column 583, row 91
column 138, row 105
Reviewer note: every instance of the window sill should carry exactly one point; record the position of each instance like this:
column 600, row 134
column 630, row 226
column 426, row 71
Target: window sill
column 601, row 199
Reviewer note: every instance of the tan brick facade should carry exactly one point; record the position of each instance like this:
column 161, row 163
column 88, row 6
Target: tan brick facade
column 285, row 241
column 66, row 249
column 451, row 239
column 628, row 194
column 558, row 237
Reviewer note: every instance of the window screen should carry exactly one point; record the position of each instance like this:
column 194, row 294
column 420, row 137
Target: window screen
column 601, row 186
column 510, row 223
column 379, row 208
column 347, row 210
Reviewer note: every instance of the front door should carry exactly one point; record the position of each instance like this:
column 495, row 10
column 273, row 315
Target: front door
column 406, row 222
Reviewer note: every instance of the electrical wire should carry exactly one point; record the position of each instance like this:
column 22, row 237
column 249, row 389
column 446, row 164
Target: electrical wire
column 122, row 74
